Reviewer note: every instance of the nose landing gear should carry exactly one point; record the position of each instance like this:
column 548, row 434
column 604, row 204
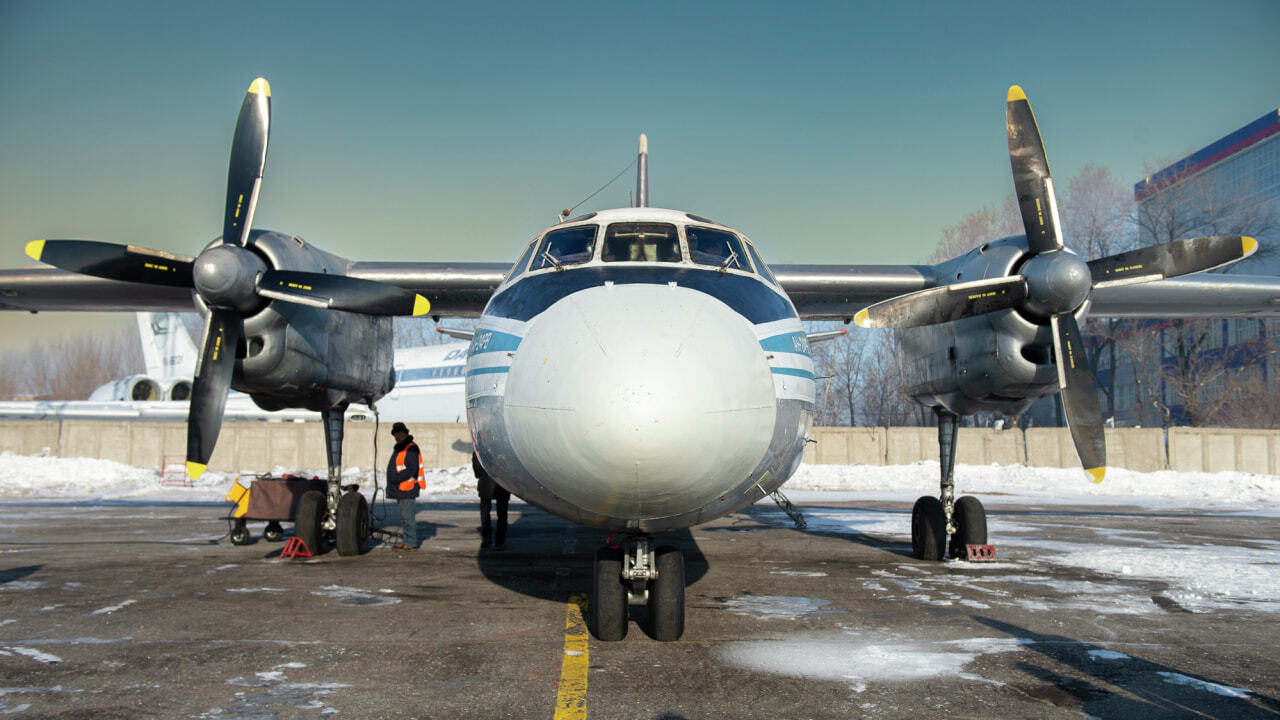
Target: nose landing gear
column 636, row 575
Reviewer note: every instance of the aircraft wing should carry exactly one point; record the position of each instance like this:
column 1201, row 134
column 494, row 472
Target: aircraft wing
column 838, row 292
column 454, row 289
column 45, row 288
column 1192, row 296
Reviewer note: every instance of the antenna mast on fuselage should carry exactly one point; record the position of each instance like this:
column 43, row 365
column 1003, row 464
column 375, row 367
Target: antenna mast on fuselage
column 642, row 173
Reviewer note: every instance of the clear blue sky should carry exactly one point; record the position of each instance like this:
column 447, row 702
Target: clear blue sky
column 844, row 132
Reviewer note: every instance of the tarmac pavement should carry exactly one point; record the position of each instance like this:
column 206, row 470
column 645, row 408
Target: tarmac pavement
column 141, row 609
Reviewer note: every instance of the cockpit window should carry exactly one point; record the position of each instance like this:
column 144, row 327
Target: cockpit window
column 567, row 246
column 641, row 242
column 518, row 269
column 760, row 266
column 716, row 247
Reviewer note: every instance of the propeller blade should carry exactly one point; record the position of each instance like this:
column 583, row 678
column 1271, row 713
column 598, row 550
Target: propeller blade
column 222, row 333
column 114, row 262
column 1181, row 257
column 248, row 158
column 1031, row 179
column 944, row 304
column 1079, row 396
column 340, row 292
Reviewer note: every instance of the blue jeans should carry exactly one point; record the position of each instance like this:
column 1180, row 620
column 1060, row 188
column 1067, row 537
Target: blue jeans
column 408, row 521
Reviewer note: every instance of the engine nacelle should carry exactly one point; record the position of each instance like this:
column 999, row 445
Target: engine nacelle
column 178, row 391
column 132, row 388
column 998, row 362
column 298, row 356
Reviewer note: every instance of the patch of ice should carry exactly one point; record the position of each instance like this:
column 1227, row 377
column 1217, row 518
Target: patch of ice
column 1224, row 690
column 797, row 573
column 38, row 656
column 354, row 596
column 1107, row 655
column 111, row 608
column 854, row 659
column 775, row 607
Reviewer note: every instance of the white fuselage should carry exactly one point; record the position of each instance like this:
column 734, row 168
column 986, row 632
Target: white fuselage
column 640, row 394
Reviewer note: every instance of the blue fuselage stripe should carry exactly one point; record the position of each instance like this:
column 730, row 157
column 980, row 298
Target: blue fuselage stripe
column 792, row 371
column 490, row 370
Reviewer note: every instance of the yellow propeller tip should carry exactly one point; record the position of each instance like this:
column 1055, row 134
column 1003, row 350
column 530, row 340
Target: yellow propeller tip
column 1249, row 245
column 260, row 87
column 195, row 470
column 1097, row 473
column 35, row 249
column 861, row 318
column 1015, row 94
column 420, row 305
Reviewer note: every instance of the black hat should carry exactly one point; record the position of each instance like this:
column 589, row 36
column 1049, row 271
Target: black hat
column 399, row 427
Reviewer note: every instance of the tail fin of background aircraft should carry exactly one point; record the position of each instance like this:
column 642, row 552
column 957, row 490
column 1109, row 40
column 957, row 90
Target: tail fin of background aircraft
column 642, row 173
column 167, row 349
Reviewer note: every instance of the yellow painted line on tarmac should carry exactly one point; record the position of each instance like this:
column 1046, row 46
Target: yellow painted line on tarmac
column 571, row 698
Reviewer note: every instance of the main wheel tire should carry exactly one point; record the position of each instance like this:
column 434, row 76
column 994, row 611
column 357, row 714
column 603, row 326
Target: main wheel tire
column 307, row 519
column 971, row 525
column 240, row 533
column 353, row 524
column 928, row 529
column 609, row 596
column 666, row 595
column 273, row 533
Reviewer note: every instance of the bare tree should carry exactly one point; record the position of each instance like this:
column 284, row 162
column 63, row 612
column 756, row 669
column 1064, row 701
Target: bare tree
column 70, row 367
column 980, row 226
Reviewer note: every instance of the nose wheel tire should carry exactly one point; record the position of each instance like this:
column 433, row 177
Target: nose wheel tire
column 307, row 519
column 666, row 595
column 971, row 525
column 353, row 524
column 928, row 529
column 609, row 596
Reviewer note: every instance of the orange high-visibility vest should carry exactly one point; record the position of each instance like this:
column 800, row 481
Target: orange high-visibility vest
column 407, row 485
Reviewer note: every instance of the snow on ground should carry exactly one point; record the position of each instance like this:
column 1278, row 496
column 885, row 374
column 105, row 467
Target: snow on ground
column 43, row 478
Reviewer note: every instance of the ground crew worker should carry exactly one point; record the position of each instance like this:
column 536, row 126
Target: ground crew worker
column 405, row 479
column 489, row 491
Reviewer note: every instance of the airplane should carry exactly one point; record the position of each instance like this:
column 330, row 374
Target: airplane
column 429, row 386
column 170, row 360
column 639, row 369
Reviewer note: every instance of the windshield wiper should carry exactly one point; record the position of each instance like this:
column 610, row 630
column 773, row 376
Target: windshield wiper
column 733, row 258
column 546, row 254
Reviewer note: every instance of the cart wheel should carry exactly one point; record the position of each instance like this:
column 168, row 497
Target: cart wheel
column 273, row 533
column 240, row 533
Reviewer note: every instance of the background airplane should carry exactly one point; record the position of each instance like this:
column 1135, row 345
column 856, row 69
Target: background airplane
column 429, row 385
column 637, row 369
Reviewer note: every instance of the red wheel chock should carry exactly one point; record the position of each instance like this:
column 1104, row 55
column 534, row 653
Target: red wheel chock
column 296, row 548
column 980, row 553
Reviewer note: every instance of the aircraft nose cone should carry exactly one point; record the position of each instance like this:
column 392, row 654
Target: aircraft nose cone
column 640, row 401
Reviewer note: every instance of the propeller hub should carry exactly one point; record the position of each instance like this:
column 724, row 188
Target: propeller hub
column 226, row 276
column 1057, row 282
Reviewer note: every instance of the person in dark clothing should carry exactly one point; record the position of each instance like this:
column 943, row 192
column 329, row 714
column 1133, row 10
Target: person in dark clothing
column 490, row 491
column 405, row 479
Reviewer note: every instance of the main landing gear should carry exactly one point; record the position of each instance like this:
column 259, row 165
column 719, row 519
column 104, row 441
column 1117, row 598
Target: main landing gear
column 633, row 574
column 341, row 513
column 933, row 519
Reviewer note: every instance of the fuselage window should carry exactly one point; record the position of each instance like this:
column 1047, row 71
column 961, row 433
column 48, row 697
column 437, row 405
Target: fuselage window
column 760, row 266
column 567, row 246
column 641, row 242
column 716, row 247
column 518, row 269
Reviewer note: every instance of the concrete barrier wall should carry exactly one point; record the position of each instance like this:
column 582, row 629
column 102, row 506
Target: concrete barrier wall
column 1216, row 450
column 261, row 446
column 242, row 446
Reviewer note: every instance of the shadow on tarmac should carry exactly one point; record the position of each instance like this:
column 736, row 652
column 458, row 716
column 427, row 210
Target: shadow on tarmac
column 1127, row 686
